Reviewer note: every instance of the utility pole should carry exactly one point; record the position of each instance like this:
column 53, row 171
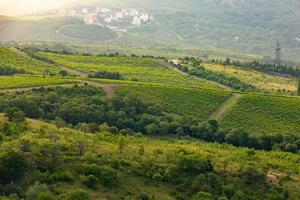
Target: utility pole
column 278, row 53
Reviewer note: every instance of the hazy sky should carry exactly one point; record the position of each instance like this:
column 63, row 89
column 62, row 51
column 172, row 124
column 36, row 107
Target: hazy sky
column 19, row 7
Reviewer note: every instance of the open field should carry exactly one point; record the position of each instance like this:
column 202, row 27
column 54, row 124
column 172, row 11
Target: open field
column 16, row 59
column 260, row 114
column 131, row 68
column 258, row 79
column 195, row 103
column 7, row 82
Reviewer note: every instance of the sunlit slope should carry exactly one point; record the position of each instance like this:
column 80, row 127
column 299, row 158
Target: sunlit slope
column 261, row 114
column 195, row 103
column 16, row 59
column 7, row 82
column 260, row 80
column 142, row 69
column 135, row 169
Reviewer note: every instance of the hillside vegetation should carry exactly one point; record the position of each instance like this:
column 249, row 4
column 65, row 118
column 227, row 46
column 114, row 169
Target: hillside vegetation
column 40, row 161
column 260, row 80
column 141, row 69
column 265, row 114
column 15, row 59
column 195, row 103
column 130, row 127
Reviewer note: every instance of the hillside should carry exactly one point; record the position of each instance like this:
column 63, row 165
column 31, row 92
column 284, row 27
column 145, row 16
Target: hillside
column 70, row 164
column 137, row 127
column 211, row 25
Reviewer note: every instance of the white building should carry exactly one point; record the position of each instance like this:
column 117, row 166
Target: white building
column 133, row 12
column 85, row 11
column 136, row 21
column 105, row 10
column 145, row 17
column 297, row 39
column 108, row 19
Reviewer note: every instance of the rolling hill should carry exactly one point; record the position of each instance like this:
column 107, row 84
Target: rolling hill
column 135, row 127
column 209, row 24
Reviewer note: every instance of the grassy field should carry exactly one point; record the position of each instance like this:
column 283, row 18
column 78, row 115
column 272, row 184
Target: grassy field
column 131, row 68
column 265, row 114
column 258, row 79
column 7, row 82
column 195, row 103
column 103, row 149
column 16, row 59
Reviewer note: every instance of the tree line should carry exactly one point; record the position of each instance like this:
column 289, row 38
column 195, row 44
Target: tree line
column 262, row 66
column 85, row 108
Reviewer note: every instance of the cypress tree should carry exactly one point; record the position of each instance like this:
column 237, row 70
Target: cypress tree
column 299, row 87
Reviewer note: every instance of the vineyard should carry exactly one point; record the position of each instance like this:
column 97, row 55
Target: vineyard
column 7, row 82
column 195, row 103
column 260, row 80
column 265, row 114
column 14, row 58
column 131, row 68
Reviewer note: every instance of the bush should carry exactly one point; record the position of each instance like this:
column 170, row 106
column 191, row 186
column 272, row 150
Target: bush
column 90, row 181
column 106, row 75
column 144, row 196
column 76, row 194
column 35, row 190
column 194, row 165
column 8, row 71
column 203, row 196
column 12, row 167
column 46, row 196
column 11, row 189
column 108, row 177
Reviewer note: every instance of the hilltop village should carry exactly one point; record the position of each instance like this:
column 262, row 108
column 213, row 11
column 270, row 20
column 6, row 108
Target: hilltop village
column 115, row 19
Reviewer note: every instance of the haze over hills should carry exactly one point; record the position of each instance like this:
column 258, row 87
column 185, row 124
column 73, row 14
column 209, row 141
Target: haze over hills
column 149, row 100
column 242, row 25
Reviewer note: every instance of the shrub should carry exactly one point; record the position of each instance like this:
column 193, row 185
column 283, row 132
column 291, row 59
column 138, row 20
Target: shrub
column 46, row 196
column 90, row 181
column 194, row 165
column 65, row 176
column 144, row 196
column 76, row 194
column 108, row 177
column 10, row 189
column 106, row 75
column 203, row 196
column 12, row 166
column 35, row 190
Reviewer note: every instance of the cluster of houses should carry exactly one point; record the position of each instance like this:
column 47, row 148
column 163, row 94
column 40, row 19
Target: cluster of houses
column 106, row 17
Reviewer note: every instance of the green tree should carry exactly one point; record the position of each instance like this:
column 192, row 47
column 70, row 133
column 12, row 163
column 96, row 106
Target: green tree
column 15, row 115
column 299, row 87
column 35, row 190
column 122, row 144
column 12, row 166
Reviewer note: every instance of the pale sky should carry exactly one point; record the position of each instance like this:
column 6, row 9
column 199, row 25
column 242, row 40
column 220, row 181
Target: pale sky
column 19, row 7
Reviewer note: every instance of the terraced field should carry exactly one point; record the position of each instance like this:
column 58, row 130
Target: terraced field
column 195, row 103
column 265, row 114
column 258, row 79
column 7, row 82
column 131, row 68
column 16, row 59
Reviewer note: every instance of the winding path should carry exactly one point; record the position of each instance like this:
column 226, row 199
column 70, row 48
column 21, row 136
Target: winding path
column 225, row 107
